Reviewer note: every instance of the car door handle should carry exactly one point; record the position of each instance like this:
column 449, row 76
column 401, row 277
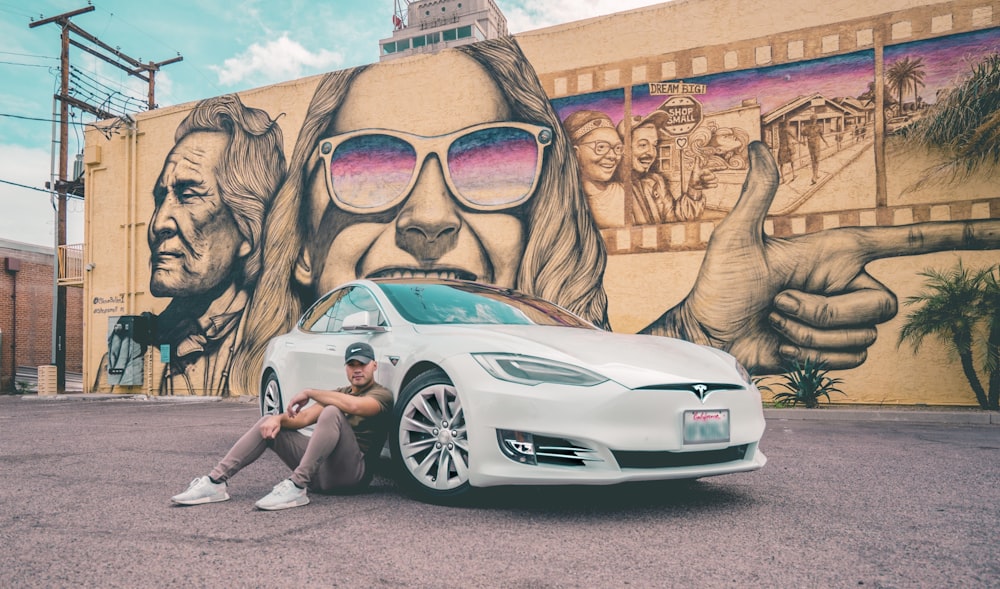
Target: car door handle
column 331, row 347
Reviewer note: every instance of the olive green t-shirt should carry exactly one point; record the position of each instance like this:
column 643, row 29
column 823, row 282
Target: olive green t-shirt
column 371, row 431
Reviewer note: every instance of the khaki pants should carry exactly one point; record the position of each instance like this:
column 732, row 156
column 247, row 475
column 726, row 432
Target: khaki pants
column 328, row 459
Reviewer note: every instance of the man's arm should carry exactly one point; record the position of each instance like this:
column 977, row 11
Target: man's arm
column 270, row 428
column 363, row 406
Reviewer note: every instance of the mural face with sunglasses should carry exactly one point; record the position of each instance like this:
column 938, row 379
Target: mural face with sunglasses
column 431, row 196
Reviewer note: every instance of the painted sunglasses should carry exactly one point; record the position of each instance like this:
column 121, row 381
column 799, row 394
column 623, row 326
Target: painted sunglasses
column 488, row 167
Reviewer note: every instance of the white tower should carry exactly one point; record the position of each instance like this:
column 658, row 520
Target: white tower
column 428, row 26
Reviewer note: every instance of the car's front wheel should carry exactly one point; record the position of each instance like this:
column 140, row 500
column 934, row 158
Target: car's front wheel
column 429, row 443
column 270, row 396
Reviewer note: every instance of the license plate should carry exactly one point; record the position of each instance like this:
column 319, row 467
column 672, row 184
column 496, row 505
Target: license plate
column 706, row 427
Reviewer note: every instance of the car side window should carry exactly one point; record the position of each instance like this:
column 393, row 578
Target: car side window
column 354, row 303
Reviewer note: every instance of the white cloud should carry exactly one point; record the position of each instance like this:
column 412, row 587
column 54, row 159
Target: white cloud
column 526, row 15
column 28, row 216
column 276, row 61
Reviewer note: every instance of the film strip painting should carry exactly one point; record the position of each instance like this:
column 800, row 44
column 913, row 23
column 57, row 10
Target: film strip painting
column 856, row 114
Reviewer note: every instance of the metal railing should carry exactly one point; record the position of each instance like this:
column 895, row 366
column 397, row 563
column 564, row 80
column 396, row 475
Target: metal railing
column 71, row 265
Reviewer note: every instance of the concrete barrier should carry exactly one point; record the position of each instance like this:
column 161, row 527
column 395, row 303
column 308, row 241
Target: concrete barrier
column 48, row 379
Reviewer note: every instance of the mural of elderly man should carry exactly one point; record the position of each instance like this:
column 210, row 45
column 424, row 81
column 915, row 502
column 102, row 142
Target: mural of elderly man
column 761, row 298
column 205, row 233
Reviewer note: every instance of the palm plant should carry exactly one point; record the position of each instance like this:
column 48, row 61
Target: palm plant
column 964, row 124
column 991, row 310
column 952, row 307
column 904, row 75
column 806, row 382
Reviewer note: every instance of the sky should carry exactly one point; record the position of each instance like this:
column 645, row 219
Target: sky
column 225, row 49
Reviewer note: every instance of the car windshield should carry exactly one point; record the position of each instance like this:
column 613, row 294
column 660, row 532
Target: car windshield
column 457, row 303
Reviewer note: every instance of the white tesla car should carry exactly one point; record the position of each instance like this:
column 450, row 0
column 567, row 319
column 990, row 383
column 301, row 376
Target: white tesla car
column 494, row 387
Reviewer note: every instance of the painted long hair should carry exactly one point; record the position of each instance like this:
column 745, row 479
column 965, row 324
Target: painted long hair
column 564, row 257
column 251, row 168
column 276, row 303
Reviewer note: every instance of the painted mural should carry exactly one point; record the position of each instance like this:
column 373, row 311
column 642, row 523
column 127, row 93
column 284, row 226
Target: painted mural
column 205, row 238
column 518, row 190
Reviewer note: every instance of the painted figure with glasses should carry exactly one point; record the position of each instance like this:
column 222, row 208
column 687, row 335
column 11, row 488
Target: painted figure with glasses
column 472, row 195
column 598, row 149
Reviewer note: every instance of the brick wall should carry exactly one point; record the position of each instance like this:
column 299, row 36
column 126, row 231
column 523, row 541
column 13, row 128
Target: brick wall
column 26, row 312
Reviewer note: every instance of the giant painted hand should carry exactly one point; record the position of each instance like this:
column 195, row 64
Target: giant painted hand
column 767, row 299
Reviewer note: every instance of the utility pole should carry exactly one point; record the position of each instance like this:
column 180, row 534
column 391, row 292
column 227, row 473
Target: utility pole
column 134, row 67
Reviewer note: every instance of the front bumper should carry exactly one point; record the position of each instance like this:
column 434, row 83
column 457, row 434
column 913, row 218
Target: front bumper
column 604, row 434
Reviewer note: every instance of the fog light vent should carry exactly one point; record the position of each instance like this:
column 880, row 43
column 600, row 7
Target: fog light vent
column 518, row 446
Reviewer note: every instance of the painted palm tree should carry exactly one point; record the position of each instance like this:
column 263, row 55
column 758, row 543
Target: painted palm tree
column 991, row 309
column 953, row 308
column 964, row 124
column 906, row 74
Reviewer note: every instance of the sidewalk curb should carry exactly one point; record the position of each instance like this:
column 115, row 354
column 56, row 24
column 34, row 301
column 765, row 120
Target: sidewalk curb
column 874, row 415
column 139, row 397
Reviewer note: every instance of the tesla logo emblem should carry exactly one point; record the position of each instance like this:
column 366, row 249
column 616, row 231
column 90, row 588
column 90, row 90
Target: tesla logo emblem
column 394, row 360
column 700, row 391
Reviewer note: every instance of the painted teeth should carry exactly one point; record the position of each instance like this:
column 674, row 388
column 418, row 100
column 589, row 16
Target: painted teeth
column 440, row 274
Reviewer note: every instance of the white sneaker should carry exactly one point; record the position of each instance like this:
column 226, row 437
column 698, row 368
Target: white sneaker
column 284, row 495
column 202, row 490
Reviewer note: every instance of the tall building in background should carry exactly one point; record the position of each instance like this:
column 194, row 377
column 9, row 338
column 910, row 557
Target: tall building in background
column 429, row 26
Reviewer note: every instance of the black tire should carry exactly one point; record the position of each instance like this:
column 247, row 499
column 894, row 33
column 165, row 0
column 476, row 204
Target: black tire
column 270, row 396
column 428, row 440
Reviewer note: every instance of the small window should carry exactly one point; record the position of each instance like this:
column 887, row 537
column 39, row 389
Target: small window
column 464, row 32
column 402, row 45
column 433, row 38
column 389, row 48
column 442, row 9
column 449, row 35
column 328, row 315
column 427, row 13
column 419, row 41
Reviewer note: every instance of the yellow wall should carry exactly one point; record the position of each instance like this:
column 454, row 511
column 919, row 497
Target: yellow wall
column 650, row 268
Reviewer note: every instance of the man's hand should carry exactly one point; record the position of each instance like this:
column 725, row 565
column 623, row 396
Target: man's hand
column 766, row 300
column 270, row 427
column 297, row 403
column 705, row 180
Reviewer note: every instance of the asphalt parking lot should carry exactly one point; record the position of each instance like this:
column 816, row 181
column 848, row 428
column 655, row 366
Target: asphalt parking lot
column 874, row 501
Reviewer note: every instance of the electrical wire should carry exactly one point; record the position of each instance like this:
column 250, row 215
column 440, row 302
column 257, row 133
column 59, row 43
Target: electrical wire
column 24, row 118
column 24, row 64
column 49, row 192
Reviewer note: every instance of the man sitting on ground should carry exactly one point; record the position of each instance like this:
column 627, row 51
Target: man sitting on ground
column 348, row 436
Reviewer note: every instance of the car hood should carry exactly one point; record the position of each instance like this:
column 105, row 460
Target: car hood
column 631, row 360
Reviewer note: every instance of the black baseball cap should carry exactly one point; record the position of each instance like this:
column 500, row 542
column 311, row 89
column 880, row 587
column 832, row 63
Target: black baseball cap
column 359, row 351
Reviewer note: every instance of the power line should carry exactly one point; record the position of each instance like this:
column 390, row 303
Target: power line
column 82, row 78
column 24, row 118
column 26, row 64
column 49, row 192
column 29, row 55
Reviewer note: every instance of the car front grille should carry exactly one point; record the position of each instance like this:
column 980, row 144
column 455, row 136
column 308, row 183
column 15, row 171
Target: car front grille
column 562, row 452
column 633, row 459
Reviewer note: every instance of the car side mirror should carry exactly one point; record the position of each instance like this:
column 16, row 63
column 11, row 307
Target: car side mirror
column 363, row 321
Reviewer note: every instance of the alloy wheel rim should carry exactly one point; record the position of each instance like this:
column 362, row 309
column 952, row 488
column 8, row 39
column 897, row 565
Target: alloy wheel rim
column 433, row 439
column 271, row 393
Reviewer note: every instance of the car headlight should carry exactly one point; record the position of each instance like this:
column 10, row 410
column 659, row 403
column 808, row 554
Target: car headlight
column 744, row 374
column 531, row 371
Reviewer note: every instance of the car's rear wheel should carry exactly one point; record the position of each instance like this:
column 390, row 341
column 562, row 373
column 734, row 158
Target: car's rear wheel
column 429, row 444
column 270, row 396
